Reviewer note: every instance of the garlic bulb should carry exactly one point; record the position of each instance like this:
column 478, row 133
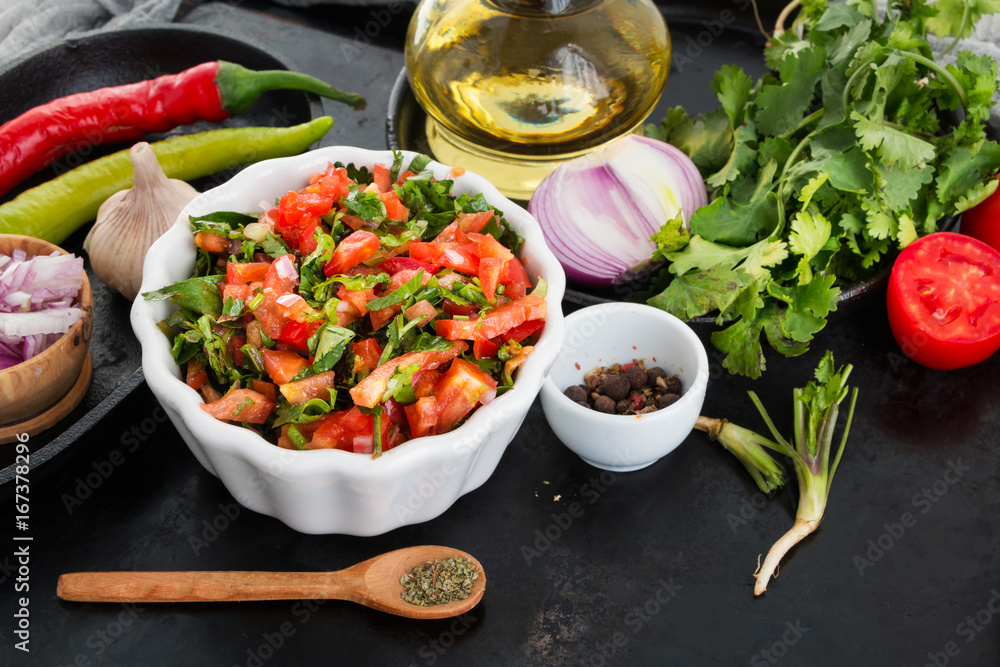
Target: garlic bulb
column 129, row 221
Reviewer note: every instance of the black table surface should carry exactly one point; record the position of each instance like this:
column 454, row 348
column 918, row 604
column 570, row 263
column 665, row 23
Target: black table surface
column 652, row 567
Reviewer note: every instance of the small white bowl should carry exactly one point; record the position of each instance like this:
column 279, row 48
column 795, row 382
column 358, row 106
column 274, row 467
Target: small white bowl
column 333, row 491
column 619, row 333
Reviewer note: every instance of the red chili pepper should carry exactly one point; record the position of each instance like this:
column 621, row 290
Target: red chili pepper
column 211, row 91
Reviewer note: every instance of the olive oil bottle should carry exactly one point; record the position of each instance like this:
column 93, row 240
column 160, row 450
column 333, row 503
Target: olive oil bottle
column 512, row 88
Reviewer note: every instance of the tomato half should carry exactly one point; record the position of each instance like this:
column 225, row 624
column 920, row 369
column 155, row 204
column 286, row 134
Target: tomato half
column 982, row 221
column 944, row 301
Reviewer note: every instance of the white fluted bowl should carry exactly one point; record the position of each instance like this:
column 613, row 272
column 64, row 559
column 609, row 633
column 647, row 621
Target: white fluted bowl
column 333, row 491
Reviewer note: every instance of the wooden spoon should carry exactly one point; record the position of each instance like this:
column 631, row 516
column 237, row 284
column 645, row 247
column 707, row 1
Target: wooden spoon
column 373, row 583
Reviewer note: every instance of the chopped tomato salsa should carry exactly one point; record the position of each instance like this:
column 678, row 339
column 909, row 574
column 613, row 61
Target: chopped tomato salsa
column 359, row 312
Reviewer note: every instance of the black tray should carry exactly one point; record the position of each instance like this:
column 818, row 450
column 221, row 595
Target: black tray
column 108, row 59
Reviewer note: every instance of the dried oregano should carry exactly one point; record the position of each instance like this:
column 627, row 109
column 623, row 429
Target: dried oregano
column 438, row 582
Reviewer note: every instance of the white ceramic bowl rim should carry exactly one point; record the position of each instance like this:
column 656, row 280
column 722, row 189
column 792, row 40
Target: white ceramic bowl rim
column 161, row 371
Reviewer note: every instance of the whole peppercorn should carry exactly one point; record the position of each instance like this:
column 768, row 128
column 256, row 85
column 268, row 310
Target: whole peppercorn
column 615, row 387
column 636, row 377
column 623, row 406
column 673, row 384
column 653, row 373
column 667, row 400
column 604, row 404
column 576, row 393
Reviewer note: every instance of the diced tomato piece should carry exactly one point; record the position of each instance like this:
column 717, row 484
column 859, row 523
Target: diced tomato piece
column 522, row 331
column 214, row 243
column 282, row 365
column 490, row 269
column 425, row 382
column 422, row 416
column 281, row 278
column 234, row 344
column 515, row 278
column 267, row 389
column 382, row 316
column 306, row 389
column 382, row 179
column 357, row 299
column 451, row 234
column 334, row 182
column 457, row 256
column 354, row 249
column 307, row 239
column 240, row 405
column 461, row 387
column 396, row 264
column 350, row 430
column 495, row 322
column 463, row 310
column 366, row 355
column 422, row 310
column 296, row 334
column 395, row 209
column 196, row 374
column 295, row 308
column 490, row 247
column 298, row 210
column 484, row 348
column 473, row 222
column 240, row 273
column 405, row 175
column 368, row 392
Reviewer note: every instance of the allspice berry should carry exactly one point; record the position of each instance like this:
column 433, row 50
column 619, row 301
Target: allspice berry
column 637, row 377
column 615, row 387
column 576, row 393
column 604, row 404
column 667, row 400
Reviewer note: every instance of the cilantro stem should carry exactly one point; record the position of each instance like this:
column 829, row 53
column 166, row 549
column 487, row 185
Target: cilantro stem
column 808, row 120
column 966, row 12
column 941, row 71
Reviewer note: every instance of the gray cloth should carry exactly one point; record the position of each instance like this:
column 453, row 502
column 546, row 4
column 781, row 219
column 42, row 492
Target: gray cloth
column 26, row 25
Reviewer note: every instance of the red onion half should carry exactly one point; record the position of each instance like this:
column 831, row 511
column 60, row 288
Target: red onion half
column 598, row 211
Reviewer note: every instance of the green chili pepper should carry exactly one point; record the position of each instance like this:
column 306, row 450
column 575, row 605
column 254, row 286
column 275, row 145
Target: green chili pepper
column 54, row 210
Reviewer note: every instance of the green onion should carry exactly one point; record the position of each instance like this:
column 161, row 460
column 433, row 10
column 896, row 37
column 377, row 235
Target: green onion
column 296, row 437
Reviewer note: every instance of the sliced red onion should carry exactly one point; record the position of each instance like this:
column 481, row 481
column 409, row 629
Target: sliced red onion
column 36, row 302
column 597, row 212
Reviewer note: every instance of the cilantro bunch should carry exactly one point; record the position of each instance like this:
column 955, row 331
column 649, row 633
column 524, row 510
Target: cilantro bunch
column 856, row 145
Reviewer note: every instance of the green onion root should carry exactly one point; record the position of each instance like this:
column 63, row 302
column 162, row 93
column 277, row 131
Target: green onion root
column 799, row 530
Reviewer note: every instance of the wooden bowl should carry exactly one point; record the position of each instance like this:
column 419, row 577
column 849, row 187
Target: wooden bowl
column 40, row 391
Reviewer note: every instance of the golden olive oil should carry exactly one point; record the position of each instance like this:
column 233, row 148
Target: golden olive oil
column 514, row 87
